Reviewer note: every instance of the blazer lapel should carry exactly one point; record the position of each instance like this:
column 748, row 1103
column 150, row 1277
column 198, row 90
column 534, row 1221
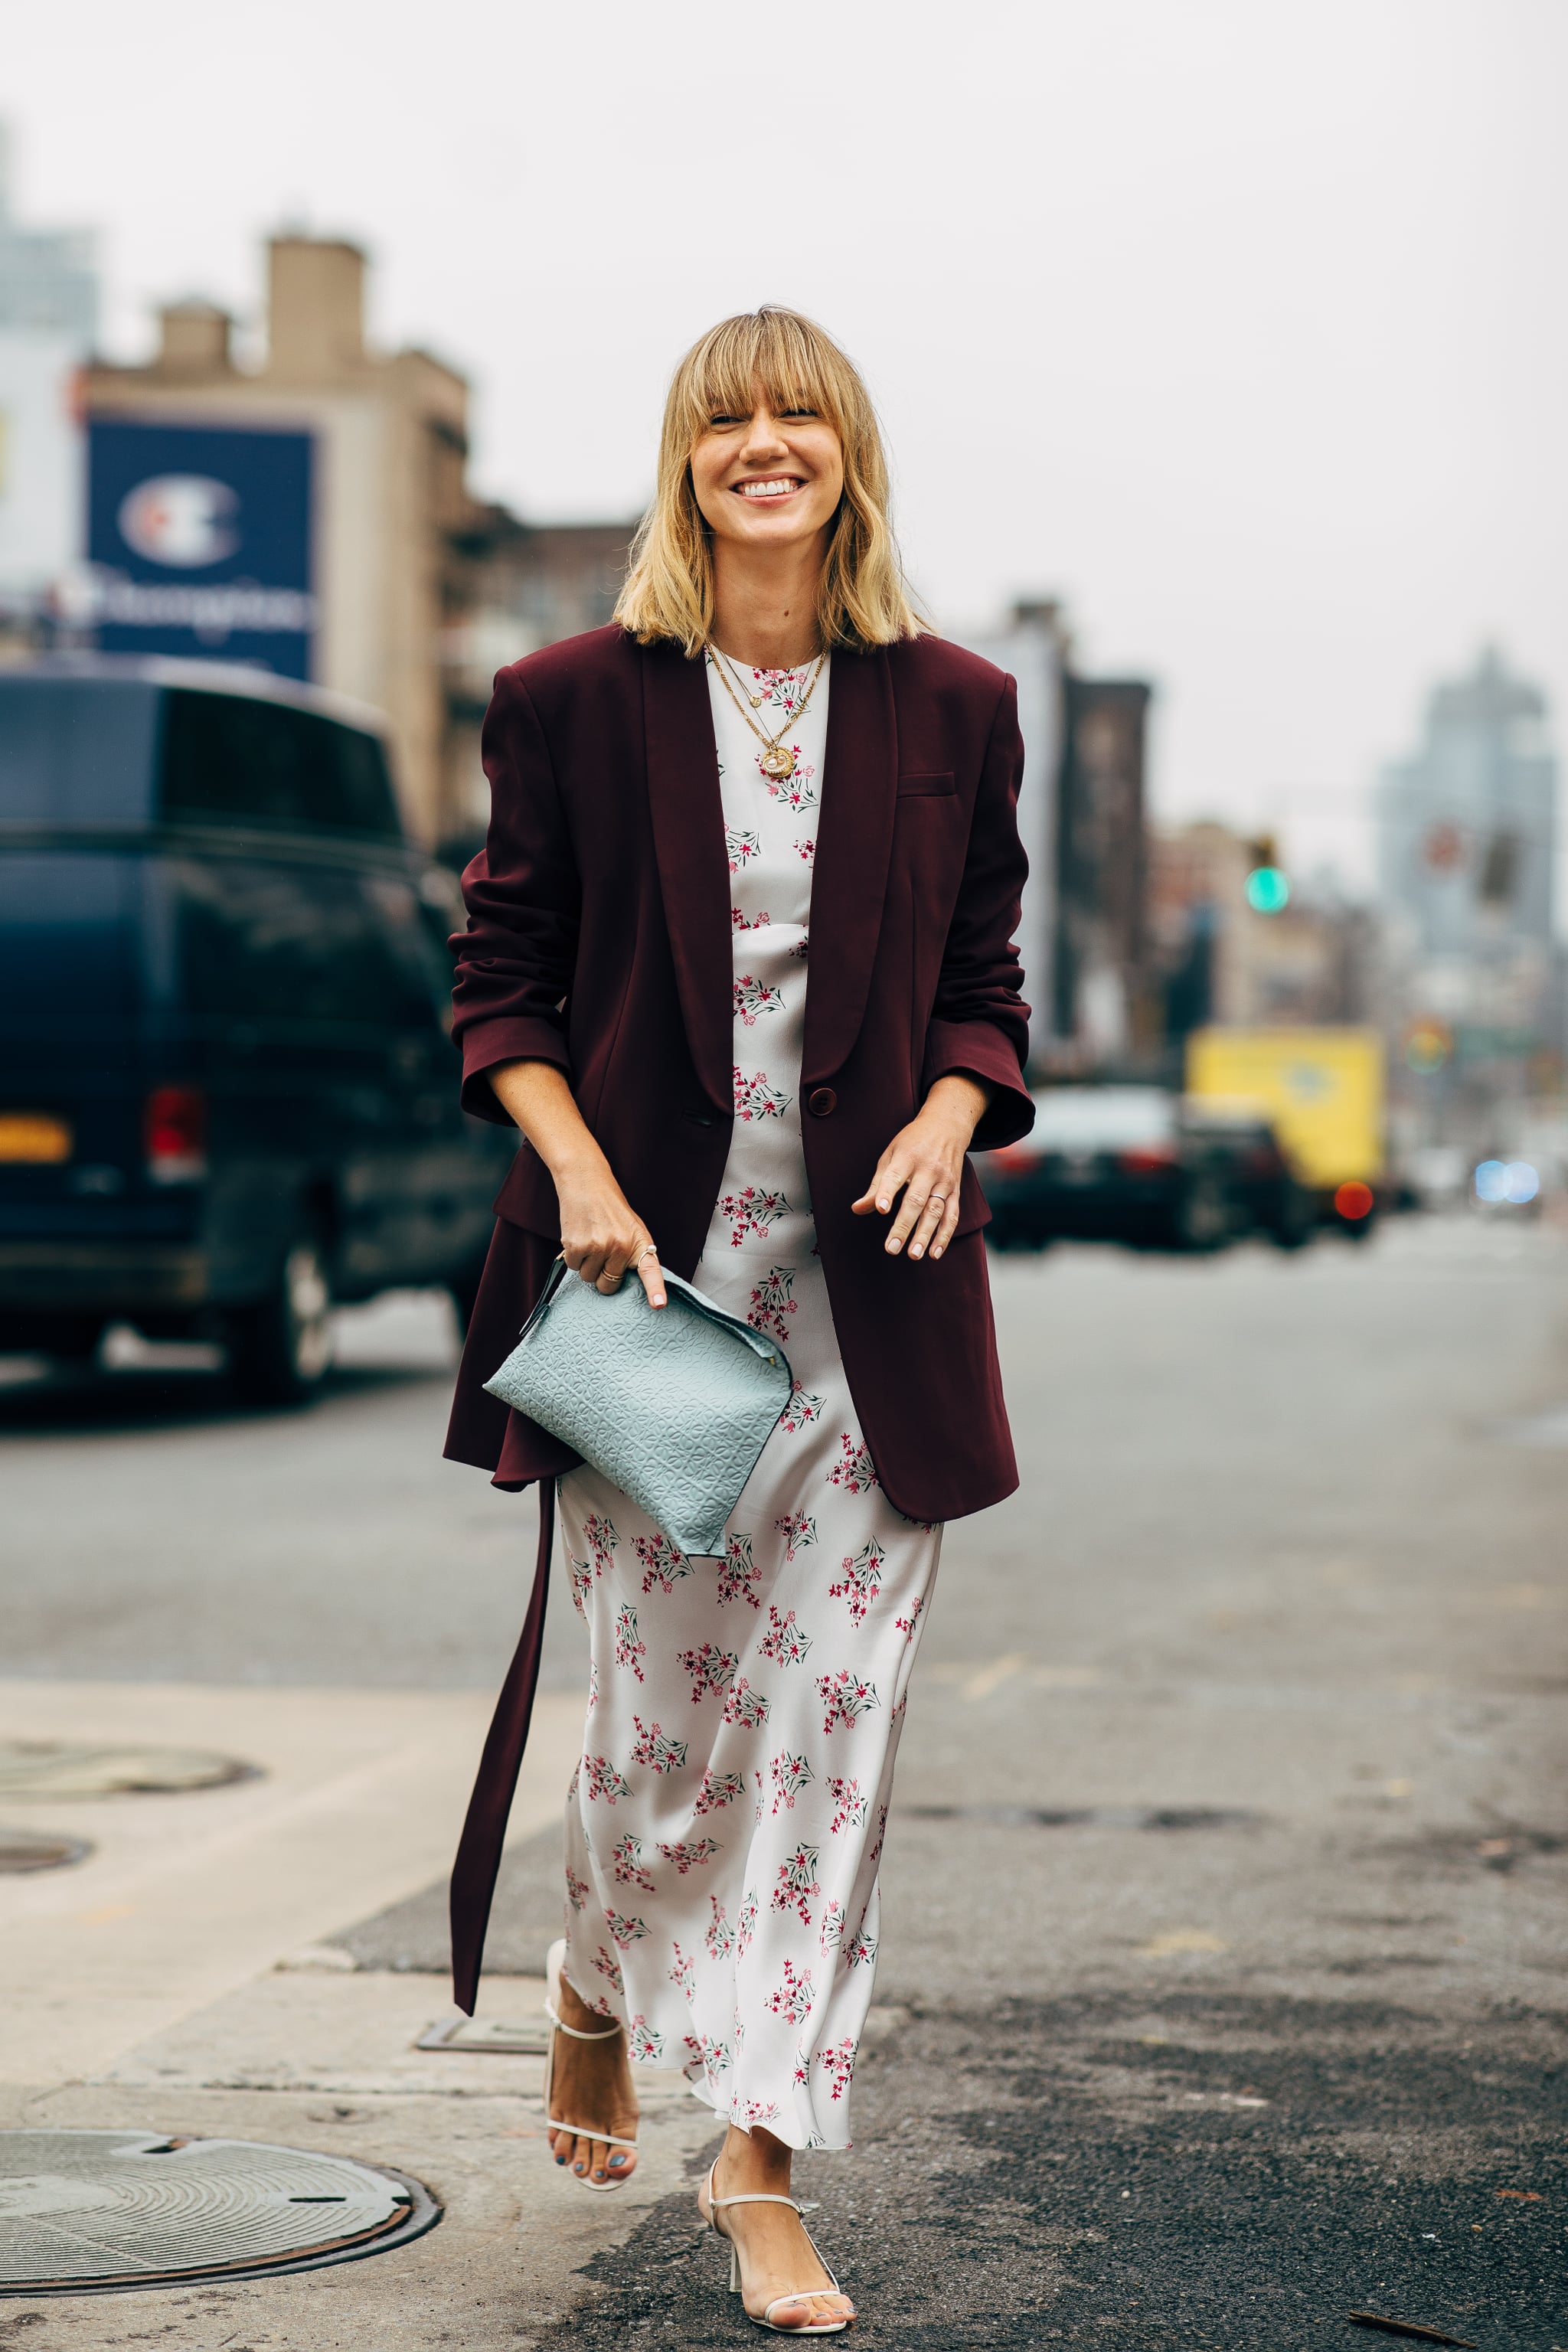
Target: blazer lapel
column 688, row 815
column 854, row 845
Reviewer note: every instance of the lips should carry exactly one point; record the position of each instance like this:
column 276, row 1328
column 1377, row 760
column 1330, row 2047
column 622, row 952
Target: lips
column 775, row 485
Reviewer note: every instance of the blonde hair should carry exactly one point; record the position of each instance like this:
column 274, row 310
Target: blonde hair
column 862, row 599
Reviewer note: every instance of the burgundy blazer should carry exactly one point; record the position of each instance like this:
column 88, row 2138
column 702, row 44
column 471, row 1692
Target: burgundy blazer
column 599, row 938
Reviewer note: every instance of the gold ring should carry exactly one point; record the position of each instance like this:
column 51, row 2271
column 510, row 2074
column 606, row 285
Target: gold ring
column 651, row 1251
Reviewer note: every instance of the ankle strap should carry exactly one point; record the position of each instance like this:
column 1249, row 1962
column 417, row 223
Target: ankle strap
column 759, row 2198
column 575, row 2030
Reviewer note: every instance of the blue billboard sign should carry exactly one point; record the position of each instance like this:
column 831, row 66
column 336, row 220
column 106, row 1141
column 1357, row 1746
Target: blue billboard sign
column 199, row 543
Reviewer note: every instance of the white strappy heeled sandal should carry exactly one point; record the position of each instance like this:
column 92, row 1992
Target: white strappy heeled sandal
column 553, row 1964
column 801, row 2294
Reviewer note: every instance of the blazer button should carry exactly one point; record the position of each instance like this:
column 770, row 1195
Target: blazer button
column 822, row 1102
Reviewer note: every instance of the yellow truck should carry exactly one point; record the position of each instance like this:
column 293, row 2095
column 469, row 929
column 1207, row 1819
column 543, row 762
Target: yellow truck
column 1322, row 1089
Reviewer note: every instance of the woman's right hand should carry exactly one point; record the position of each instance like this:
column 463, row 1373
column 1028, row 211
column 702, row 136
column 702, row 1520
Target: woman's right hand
column 601, row 1237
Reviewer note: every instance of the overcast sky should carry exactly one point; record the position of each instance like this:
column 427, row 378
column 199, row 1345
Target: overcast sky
column 1239, row 325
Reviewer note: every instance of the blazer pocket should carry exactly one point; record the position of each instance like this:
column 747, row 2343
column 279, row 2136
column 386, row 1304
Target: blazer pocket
column 913, row 787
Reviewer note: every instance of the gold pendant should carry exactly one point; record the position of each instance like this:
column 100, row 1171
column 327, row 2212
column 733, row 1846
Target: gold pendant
column 778, row 761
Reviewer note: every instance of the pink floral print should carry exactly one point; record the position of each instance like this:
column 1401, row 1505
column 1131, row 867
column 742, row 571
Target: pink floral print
column 757, row 1098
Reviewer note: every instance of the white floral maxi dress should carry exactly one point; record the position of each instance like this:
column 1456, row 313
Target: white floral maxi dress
column 724, row 1827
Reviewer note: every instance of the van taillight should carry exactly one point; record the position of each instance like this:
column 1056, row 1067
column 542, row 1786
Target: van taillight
column 174, row 1132
column 1146, row 1159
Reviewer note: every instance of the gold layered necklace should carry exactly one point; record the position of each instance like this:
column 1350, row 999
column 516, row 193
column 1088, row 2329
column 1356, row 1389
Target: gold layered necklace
column 775, row 759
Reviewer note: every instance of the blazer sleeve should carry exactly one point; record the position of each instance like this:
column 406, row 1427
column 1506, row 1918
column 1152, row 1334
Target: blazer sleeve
column 523, row 895
column 980, row 1024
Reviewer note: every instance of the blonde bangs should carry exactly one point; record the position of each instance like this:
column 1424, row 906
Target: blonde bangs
column 862, row 599
column 766, row 347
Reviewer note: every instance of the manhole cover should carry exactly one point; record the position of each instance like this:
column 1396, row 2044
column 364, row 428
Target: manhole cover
column 97, row 2211
column 22, row 1850
column 56, row 1769
column 1093, row 1817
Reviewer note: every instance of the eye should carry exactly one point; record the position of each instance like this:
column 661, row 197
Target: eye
column 717, row 423
column 799, row 412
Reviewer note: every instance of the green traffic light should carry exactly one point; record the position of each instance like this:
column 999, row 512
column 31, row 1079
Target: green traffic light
column 1268, row 890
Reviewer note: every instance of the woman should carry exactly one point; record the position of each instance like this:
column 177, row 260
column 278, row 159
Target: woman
column 753, row 856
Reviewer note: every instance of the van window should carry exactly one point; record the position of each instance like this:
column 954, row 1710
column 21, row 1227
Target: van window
column 264, row 942
column 75, row 752
column 232, row 760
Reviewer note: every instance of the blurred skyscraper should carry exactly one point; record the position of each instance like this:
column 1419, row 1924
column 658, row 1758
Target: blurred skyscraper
column 1466, row 836
column 1468, row 824
column 48, row 321
column 49, row 276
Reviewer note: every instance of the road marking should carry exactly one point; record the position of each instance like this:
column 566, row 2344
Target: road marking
column 988, row 1679
column 1182, row 1939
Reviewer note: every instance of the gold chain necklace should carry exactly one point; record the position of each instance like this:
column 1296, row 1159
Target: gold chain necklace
column 775, row 760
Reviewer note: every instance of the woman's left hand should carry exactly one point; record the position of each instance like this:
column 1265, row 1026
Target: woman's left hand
column 925, row 1163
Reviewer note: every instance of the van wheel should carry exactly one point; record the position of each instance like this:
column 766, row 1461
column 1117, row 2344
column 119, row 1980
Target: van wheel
column 279, row 1350
column 1202, row 1219
column 1294, row 1219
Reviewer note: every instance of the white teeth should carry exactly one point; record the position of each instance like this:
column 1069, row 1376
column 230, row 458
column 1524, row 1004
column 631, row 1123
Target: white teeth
column 766, row 490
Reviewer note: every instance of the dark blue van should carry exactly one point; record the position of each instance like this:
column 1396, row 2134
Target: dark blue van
column 227, row 1093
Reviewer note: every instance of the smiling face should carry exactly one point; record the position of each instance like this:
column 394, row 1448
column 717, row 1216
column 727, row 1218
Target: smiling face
column 767, row 479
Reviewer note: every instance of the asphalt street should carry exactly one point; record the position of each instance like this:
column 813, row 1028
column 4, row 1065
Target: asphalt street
column 1221, row 1990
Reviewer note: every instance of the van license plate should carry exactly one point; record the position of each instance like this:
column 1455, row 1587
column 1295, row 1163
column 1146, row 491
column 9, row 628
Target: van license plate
column 34, row 1137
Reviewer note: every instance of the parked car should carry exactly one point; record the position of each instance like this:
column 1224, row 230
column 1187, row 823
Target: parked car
column 1143, row 1166
column 227, row 1093
column 1266, row 1195
column 1109, row 1163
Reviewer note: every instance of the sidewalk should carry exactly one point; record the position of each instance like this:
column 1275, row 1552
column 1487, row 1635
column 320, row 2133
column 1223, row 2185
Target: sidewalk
column 177, row 1980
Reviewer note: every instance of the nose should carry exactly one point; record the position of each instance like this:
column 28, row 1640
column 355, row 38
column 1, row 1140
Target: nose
column 764, row 439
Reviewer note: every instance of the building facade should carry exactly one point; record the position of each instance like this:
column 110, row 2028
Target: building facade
column 394, row 585
column 514, row 587
column 1217, row 959
column 387, row 435
column 1033, row 646
column 1103, row 1017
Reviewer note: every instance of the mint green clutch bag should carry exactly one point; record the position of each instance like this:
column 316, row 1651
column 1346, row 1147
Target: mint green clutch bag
column 672, row 1405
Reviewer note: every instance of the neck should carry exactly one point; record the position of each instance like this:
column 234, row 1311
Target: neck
column 764, row 602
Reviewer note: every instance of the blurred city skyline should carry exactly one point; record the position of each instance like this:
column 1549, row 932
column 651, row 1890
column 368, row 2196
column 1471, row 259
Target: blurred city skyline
column 1227, row 327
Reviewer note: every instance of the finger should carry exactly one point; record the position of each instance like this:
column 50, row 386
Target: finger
column 949, row 1224
column 884, row 1187
column 909, row 1215
column 589, row 1260
column 618, row 1257
column 930, row 1225
column 652, row 1275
